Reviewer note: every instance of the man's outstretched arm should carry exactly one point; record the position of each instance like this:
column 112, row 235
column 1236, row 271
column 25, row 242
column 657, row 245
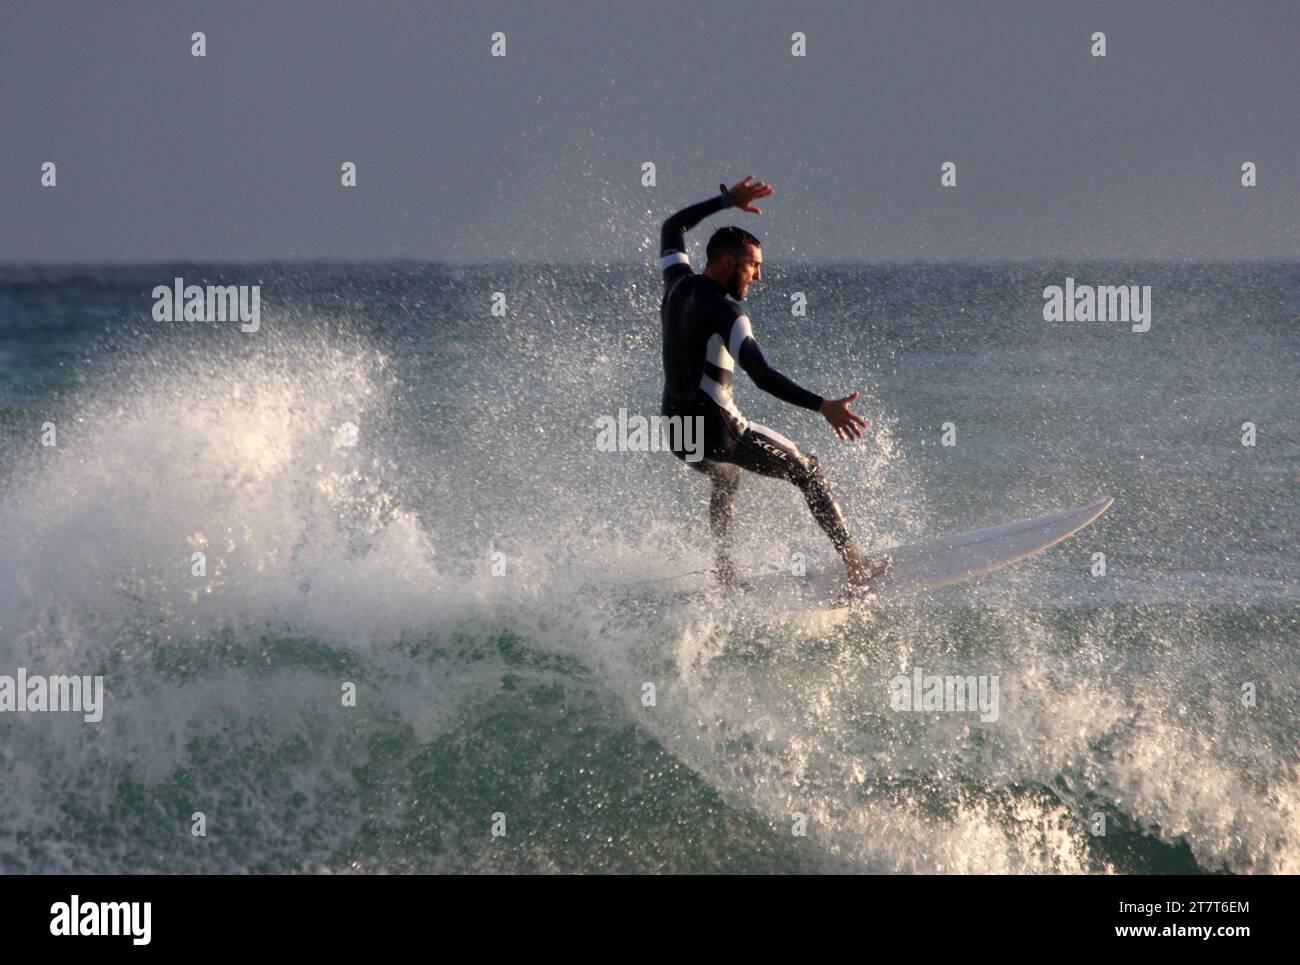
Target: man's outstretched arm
column 752, row 360
column 848, row 424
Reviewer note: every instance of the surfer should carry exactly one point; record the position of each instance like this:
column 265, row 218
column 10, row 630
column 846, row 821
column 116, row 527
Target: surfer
column 707, row 332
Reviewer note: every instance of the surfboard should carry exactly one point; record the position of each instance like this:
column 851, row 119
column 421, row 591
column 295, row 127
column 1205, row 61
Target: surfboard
column 928, row 565
column 819, row 601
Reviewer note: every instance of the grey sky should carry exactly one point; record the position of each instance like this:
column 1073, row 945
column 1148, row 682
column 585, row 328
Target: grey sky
column 536, row 156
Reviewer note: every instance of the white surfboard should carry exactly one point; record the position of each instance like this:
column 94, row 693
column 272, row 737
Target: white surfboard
column 930, row 564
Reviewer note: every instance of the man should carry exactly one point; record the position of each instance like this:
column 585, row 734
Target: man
column 706, row 333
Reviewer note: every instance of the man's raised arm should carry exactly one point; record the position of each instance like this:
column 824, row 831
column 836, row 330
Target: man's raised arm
column 672, row 237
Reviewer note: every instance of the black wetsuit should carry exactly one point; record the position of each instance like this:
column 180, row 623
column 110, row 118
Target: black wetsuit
column 706, row 332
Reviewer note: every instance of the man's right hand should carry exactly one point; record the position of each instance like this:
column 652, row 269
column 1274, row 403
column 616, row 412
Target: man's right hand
column 745, row 194
column 848, row 424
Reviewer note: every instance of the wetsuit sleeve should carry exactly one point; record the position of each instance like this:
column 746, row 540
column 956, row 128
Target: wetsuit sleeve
column 672, row 237
column 744, row 349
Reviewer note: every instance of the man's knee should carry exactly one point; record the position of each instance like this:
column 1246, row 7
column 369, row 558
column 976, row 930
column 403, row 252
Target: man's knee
column 726, row 477
column 809, row 472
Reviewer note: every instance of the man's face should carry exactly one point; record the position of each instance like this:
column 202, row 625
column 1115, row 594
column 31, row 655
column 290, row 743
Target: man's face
column 745, row 270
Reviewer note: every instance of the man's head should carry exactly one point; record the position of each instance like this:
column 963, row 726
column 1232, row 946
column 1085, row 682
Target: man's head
column 734, row 260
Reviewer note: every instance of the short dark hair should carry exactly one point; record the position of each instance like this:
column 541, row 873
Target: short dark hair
column 730, row 241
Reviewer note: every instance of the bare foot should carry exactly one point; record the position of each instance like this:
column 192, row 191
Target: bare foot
column 728, row 578
column 862, row 569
